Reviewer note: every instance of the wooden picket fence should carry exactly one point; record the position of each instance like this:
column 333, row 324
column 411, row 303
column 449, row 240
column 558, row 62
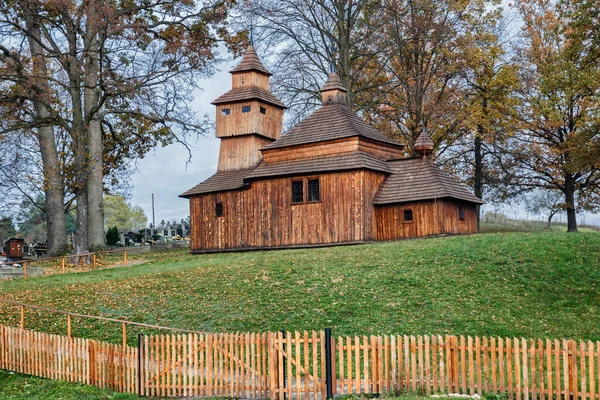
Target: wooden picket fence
column 78, row 360
column 279, row 365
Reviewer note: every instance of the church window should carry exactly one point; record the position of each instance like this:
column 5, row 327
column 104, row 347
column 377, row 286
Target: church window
column 408, row 215
column 297, row 192
column 225, row 111
column 263, row 110
column 246, row 109
column 461, row 213
column 219, row 209
column 314, row 193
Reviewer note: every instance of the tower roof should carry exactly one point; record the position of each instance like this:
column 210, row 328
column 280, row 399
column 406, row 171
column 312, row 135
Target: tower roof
column 333, row 83
column 424, row 144
column 251, row 62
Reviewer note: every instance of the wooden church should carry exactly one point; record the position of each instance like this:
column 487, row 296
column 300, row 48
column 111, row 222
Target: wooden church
column 331, row 179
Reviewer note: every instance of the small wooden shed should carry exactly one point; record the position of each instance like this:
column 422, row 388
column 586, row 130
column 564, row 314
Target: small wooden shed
column 14, row 249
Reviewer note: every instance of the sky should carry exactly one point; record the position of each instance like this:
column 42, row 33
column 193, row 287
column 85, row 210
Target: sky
column 166, row 172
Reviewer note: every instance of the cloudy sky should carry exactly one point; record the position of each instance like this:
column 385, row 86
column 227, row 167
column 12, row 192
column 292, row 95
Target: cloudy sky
column 165, row 173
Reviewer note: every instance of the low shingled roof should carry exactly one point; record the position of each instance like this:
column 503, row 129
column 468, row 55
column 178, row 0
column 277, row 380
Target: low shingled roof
column 417, row 179
column 248, row 93
column 221, row 181
column 330, row 122
column 341, row 162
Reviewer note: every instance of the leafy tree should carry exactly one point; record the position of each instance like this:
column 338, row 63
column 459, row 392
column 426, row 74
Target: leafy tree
column 111, row 77
column 126, row 217
column 7, row 229
column 541, row 201
column 490, row 82
column 112, row 236
column 559, row 144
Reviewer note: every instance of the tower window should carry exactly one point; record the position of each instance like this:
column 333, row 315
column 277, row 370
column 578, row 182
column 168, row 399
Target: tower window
column 313, row 190
column 246, row 109
column 408, row 215
column 263, row 110
column 461, row 213
column 225, row 111
column 219, row 210
column 297, row 192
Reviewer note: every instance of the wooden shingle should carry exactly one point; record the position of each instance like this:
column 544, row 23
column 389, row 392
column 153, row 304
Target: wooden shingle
column 417, row 179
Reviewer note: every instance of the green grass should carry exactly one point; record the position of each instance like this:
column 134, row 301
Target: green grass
column 543, row 284
column 17, row 387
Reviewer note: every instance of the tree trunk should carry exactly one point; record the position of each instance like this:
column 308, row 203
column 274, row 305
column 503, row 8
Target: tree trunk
column 53, row 183
column 550, row 220
column 478, row 173
column 94, row 187
column 570, row 204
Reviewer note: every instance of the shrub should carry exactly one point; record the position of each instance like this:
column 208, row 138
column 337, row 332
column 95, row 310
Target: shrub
column 112, row 236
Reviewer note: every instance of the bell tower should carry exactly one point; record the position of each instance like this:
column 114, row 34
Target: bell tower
column 248, row 116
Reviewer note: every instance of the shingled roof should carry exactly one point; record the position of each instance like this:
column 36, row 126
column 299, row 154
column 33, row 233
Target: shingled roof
column 251, row 62
column 248, row 93
column 333, row 83
column 417, row 179
column 223, row 180
column 341, row 162
column 334, row 121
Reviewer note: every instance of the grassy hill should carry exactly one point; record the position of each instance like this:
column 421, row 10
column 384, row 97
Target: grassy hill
column 510, row 284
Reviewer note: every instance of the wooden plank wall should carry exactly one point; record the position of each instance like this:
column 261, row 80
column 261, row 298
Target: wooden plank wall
column 263, row 215
column 241, row 152
column 451, row 222
column 429, row 218
column 78, row 360
column 238, row 123
column 332, row 147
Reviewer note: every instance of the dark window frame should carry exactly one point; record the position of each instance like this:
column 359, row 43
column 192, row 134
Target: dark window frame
column 294, row 184
column 263, row 110
column 408, row 212
column 309, row 193
column 461, row 213
column 246, row 109
column 219, row 209
column 225, row 111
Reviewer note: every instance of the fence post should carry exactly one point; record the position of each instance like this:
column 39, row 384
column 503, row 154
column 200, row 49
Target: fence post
column 283, row 347
column 140, row 372
column 63, row 265
column 92, row 362
column 22, row 317
column 25, row 270
column 69, row 326
column 328, row 364
column 94, row 260
column 124, row 258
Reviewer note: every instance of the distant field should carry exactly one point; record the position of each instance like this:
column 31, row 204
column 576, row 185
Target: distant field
column 512, row 225
column 542, row 284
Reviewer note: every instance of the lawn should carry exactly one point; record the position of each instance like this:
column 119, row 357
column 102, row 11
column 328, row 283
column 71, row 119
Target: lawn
column 23, row 387
column 542, row 284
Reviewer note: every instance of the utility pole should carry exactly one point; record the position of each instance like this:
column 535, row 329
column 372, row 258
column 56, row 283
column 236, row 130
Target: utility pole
column 153, row 220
